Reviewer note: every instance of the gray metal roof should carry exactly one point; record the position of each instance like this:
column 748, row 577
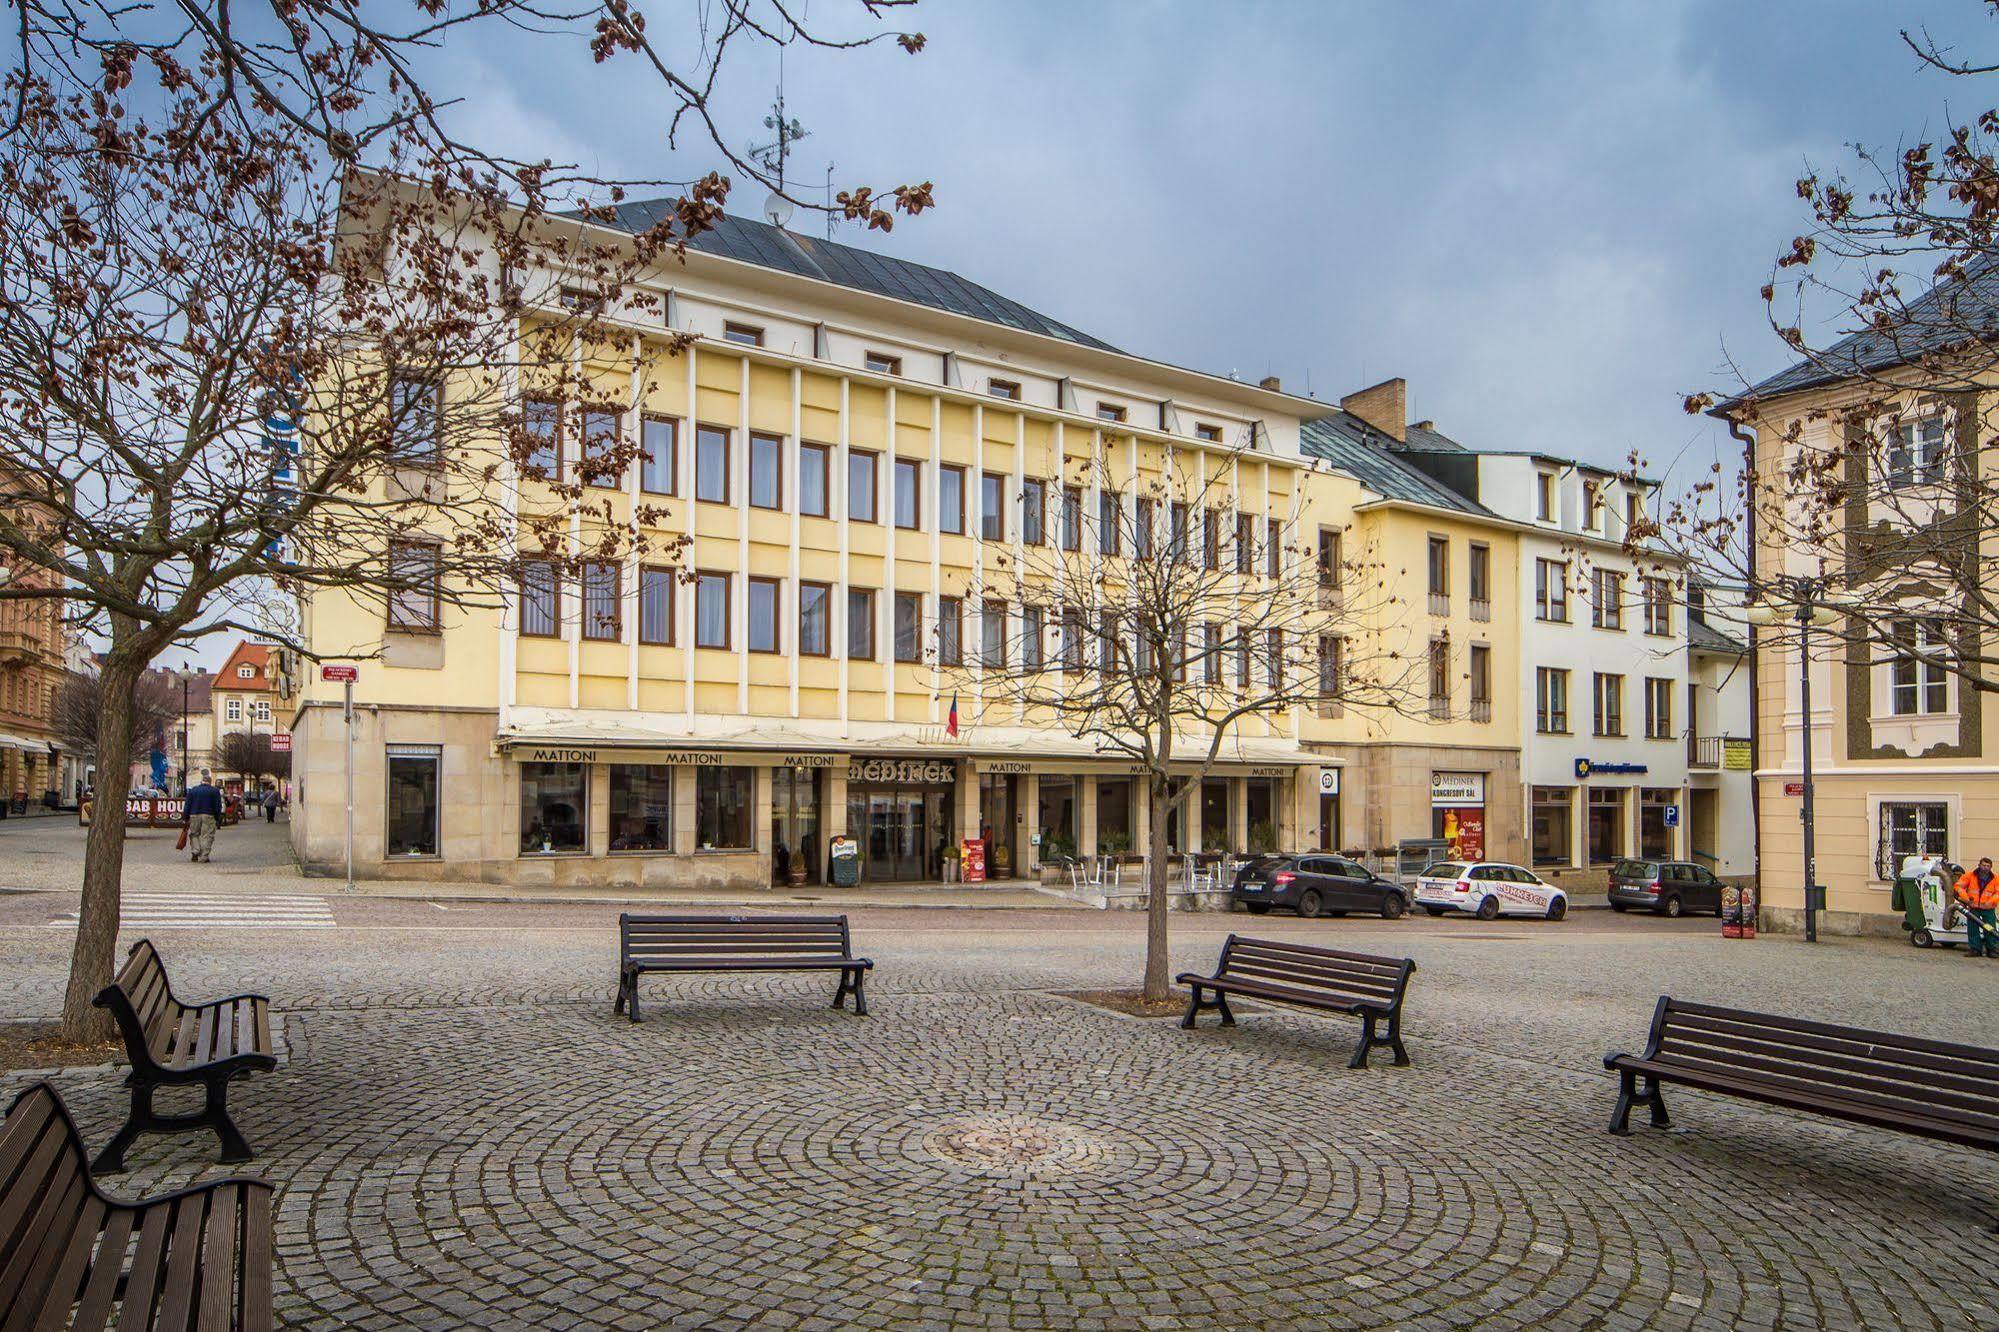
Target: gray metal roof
column 1704, row 637
column 760, row 243
column 1959, row 310
column 1426, row 438
column 1360, row 451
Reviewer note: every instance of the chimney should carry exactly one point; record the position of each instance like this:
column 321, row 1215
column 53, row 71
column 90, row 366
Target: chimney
column 1385, row 407
column 1271, row 382
column 1424, row 425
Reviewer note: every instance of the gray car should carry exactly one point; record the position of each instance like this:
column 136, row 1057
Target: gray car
column 1667, row 887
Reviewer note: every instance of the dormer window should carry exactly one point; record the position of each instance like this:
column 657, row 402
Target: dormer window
column 1593, row 505
column 1004, row 388
column 247, row 672
column 1544, row 496
column 749, row 335
column 882, row 363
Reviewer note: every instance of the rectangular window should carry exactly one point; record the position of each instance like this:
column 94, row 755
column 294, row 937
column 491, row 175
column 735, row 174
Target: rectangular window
column 1273, row 549
column 951, row 499
column 766, row 472
column 659, row 470
column 1107, row 642
column 1176, row 532
column 1551, row 590
column 815, row 468
column 1211, row 433
column 1916, row 451
column 1918, row 680
column 1003, row 388
column 1609, row 704
column 861, row 623
column 541, row 600
column 861, row 486
column 765, row 594
column 1634, row 511
column 1604, row 831
column 908, row 494
column 1072, row 517
column 1593, row 506
column 1658, row 708
column 884, row 364
column 1072, row 639
column 1275, row 676
column 1478, row 586
column 599, row 448
column 711, row 464
column 1330, row 563
column 1440, row 677
column 1480, row 664
column 1141, row 528
column 992, row 507
column 1211, row 654
column 1110, row 522
column 641, row 807
column 1440, row 572
column 749, row 335
column 1031, row 629
column 555, row 798
column 655, row 605
column 541, row 428
column 232, row 711
column 412, row 808
column 1033, row 510
column 1110, row 412
column 1245, row 544
column 1211, row 539
column 413, row 596
column 416, row 420
column 1607, row 599
column 950, row 631
column 815, row 609
column 1551, row 700
column 1332, row 662
column 909, row 626
column 711, row 610
column 723, row 801
column 603, row 599
column 1544, row 496
column 1915, row 828
column 1658, row 607
column 1554, row 824
column 992, row 635
column 1241, row 658
column 263, row 709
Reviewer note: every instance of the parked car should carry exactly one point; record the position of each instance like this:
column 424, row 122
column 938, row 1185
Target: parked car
column 1488, row 888
column 1315, row 885
column 1668, row 887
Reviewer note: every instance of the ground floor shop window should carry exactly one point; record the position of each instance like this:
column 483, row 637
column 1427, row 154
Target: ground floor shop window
column 413, row 800
column 1606, row 824
column 641, row 807
column 996, row 821
column 1260, row 814
column 794, row 823
column 1655, row 837
column 554, row 797
column 1216, row 830
column 1554, row 824
column 1910, row 828
column 1114, row 816
column 1056, row 816
column 722, row 802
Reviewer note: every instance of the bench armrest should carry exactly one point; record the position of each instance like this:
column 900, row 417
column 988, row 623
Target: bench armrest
column 1188, row 978
column 866, row 963
column 1614, row 1058
column 233, row 998
column 191, row 1191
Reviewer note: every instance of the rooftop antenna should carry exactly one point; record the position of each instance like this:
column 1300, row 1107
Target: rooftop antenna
column 772, row 156
column 832, row 220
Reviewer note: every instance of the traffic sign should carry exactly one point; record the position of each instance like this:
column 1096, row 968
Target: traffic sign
column 281, row 742
column 1794, row 788
column 1672, row 816
column 347, row 674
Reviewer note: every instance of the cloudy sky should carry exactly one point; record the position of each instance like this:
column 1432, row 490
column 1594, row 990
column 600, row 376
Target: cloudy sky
column 1552, row 219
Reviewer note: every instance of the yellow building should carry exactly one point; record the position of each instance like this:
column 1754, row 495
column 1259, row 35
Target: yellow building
column 850, row 448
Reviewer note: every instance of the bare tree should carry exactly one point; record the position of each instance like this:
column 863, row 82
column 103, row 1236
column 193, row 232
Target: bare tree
column 77, row 718
column 250, row 756
column 236, row 368
column 1157, row 621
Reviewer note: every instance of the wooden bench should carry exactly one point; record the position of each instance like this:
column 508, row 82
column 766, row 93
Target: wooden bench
column 199, row 1258
column 1359, row 984
column 175, row 1044
column 1930, row 1088
column 737, row 943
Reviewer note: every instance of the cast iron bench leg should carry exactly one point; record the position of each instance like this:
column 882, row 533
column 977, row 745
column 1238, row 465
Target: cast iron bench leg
column 619, row 1007
column 840, row 995
column 234, row 1148
column 1187, row 1023
column 1367, row 1040
column 1656, row 1097
column 1627, row 1093
column 1395, row 1039
column 1222, row 1002
column 860, row 993
column 632, row 997
column 111, row 1161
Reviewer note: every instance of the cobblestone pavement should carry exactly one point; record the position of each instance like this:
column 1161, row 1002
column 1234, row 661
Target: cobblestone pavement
column 463, row 1135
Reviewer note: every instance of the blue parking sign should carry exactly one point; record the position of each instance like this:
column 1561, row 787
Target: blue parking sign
column 1672, row 816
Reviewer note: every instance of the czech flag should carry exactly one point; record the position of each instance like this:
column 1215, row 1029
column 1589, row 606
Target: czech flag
column 951, row 722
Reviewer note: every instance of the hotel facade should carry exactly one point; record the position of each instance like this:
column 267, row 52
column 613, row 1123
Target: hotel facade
column 846, row 447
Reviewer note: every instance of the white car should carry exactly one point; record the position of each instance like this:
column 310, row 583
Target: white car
column 1488, row 888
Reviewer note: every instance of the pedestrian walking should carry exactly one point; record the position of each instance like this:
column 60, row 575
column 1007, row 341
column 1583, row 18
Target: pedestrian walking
column 1979, row 892
column 271, row 805
column 204, row 816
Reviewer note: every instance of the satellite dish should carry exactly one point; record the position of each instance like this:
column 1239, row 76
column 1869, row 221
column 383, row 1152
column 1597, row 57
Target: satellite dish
column 777, row 209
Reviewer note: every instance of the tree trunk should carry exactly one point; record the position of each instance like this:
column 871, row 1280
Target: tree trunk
column 1156, row 959
column 91, row 963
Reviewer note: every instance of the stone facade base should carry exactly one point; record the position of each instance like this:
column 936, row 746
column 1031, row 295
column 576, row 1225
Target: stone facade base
column 1851, row 924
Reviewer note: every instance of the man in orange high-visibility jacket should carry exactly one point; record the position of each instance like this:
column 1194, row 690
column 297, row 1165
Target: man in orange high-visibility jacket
column 1978, row 890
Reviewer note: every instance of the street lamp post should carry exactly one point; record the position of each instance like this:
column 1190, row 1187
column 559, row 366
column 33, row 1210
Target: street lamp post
column 184, row 670
column 1809, row 595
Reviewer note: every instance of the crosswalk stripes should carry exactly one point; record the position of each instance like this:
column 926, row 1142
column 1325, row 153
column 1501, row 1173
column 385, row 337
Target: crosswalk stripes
column 215, row 911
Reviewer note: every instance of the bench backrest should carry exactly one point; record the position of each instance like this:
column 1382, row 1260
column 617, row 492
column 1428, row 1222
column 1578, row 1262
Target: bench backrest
column 45, row 1187
column 663, row 939
column 143, row 1004
column 1362, row 975
column 1884, row 1070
